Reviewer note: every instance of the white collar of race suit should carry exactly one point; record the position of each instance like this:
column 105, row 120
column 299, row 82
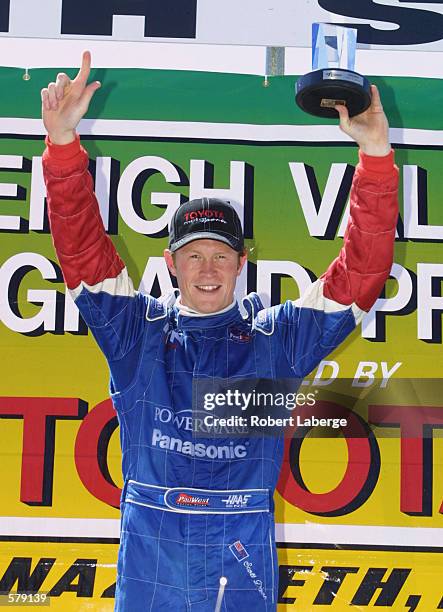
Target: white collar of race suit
column 190, row 312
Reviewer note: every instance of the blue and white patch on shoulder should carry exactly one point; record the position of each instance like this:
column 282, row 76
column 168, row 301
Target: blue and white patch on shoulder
column 260, row 318
column 265, row 321
column 155, row 309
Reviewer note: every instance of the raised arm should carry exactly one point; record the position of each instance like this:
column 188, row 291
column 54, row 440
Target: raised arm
column 85, row 252
column 337, row 301
column 92, row 268
column 357, row 276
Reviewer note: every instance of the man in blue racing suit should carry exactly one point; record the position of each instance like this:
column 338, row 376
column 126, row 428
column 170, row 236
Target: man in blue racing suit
column 198, row 509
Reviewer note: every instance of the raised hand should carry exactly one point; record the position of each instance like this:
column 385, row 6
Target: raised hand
column 66, row 101
column 370, row 129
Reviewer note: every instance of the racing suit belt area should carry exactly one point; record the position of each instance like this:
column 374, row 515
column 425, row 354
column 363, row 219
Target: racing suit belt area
column 195, row 548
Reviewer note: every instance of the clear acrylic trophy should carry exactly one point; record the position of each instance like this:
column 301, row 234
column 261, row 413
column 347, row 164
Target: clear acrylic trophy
column 333, row 80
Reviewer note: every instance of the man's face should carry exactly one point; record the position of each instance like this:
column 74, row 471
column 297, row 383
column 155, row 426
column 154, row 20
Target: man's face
column 206, row 272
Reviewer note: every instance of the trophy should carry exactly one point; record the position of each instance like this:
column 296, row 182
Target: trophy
column 333, row 80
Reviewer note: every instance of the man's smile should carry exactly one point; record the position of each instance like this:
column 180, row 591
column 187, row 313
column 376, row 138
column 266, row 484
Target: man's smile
column 207, row 288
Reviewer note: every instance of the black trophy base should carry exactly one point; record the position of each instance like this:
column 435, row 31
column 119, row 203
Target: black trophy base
column 318, row 92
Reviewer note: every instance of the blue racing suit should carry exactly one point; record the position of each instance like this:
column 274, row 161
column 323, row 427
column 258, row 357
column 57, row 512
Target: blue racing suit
column 196, row 509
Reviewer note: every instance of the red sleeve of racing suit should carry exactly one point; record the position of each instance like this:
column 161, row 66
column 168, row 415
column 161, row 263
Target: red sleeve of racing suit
column 85, row 252
column 358, row 274
column 94, row 273
column 328, row 311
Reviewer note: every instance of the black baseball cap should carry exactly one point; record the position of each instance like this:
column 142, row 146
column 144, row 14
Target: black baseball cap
column 206, row 218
